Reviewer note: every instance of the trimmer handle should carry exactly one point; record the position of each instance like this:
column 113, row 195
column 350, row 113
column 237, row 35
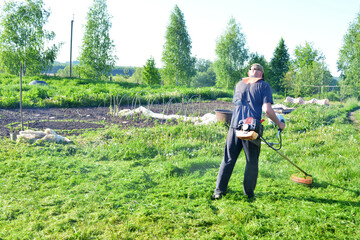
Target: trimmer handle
column 278, row 137
column 279, row 130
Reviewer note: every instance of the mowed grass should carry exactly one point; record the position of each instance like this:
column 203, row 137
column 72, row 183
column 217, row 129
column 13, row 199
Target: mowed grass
column 156, row 183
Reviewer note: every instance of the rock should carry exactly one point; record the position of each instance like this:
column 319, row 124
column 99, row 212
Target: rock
column 38, row 82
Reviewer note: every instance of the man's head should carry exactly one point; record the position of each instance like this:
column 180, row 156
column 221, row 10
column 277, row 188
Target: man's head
column 256, row 70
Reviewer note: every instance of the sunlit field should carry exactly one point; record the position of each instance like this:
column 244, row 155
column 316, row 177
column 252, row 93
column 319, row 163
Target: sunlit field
column 156, row 183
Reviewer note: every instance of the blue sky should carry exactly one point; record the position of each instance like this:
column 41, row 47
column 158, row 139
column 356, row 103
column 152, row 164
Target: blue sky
column 139, row 26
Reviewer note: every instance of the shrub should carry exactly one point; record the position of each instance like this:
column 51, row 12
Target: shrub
column 333, row 96
column 351, row 104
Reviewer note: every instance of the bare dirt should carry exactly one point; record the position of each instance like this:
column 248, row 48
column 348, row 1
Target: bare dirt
column 354, row 120
column 74, row 121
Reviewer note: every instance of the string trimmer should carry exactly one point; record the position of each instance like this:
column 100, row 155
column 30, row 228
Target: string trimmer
column 306, row 178
column 250, row 129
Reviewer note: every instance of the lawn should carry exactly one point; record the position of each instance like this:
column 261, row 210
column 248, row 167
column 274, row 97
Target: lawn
column 156, row 183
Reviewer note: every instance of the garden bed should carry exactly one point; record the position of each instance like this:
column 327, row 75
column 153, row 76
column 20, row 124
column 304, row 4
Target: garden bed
column 73, row 121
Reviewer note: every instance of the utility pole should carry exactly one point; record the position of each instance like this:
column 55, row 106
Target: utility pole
column 72, row 22
column 21, row 111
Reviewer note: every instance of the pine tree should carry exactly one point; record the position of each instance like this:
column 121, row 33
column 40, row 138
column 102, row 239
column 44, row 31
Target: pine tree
column 178, row 63
column 279, row 66
column 97, row 58
column 150, row 74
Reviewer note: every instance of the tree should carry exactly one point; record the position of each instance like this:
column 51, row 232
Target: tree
column 349, row 59
column 202, row 65
column 178, row 63
column 306, row 55
column 308, row 71
column 256, row 58
column 231, row 56
column 65, row 72
column 137, row 76
column 311, row 77
column 150, row 74
column 23, row 38
column 279, row 65
column 205, row 75
column 97, row 57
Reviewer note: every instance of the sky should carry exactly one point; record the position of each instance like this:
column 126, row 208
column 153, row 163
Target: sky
column 139, row 26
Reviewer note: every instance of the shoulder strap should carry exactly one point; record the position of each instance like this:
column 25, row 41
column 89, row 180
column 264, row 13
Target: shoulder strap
column 250, row 80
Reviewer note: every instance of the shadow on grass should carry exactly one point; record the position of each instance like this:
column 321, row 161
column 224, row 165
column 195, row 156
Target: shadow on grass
column 326, row 185
column 330, row 201
column 270, row 175
column 324, row 200
column 323, row 184
column 202, row 167
column 238, row 195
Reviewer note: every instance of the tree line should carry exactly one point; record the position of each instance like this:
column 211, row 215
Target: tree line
column 23, row 40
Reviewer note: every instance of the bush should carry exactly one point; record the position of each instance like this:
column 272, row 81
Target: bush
column 333, row 96
column 351, row 104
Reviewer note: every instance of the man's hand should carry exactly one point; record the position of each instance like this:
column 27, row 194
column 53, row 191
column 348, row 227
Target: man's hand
column 281, row 125
column 269, row 111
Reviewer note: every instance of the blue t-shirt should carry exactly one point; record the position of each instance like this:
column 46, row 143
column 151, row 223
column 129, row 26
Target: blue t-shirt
column 249, row 99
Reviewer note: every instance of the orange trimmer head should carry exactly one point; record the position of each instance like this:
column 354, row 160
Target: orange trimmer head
column 304, row 179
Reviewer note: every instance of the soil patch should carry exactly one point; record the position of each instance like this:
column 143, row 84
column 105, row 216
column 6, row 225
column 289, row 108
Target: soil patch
column 354, row 120
column 74, row 121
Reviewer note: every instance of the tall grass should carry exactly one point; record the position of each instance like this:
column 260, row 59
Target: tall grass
column 351, row 104
column 66, row 92
column 156, row 183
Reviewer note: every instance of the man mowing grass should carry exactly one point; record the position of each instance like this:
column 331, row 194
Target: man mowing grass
column 251, row 96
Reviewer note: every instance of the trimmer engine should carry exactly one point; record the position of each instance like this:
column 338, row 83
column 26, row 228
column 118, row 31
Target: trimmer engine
column 249, row 129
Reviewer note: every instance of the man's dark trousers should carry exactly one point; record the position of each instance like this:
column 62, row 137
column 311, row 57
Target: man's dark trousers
column 233, row 147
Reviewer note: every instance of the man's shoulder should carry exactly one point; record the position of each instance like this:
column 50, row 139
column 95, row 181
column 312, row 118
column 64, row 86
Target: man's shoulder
column 260, row 83
column 263, row 83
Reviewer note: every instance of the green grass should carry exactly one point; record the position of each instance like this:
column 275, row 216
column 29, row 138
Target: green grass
column 357, row 115
column 351, row 104
column 66, row 92
column 156, row 183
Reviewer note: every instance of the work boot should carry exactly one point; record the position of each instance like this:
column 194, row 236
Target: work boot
column 251, row 198
column 217, row 196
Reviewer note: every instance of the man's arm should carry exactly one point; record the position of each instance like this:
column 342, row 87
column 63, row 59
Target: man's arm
column 270, row 113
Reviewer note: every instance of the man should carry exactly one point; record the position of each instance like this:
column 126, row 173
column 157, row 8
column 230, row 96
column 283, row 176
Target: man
column 251, row 96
